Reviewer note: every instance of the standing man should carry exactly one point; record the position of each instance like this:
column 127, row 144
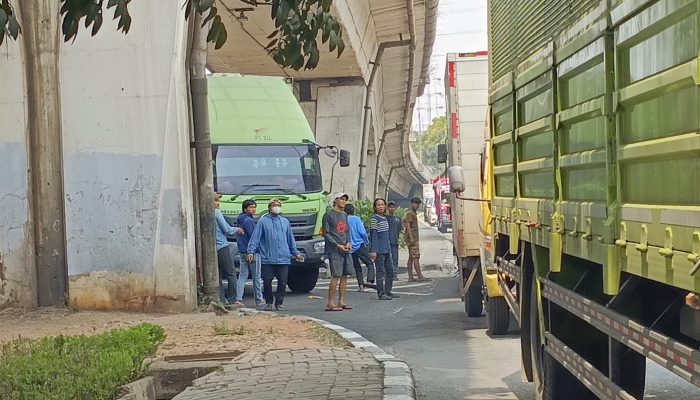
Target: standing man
column 394, row 231
column 273, row 241
column 381, row 251
column 338, row 248
column 410, row 222
column 360, row 241
column 227, row 270
column 246, row 227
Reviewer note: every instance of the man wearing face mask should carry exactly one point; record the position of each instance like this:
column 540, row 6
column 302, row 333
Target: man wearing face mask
column 273, row 240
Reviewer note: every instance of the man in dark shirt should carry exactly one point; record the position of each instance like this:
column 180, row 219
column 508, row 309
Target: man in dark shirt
column 338, row 248
column 394, row 231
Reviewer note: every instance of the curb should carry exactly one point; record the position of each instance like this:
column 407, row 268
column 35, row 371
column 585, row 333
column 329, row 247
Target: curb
column 398, row 378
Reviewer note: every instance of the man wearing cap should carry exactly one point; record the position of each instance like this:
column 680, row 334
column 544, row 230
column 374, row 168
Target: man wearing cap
column 273, row 241
column 338, row 248
column 410, row 222
column 394, row 231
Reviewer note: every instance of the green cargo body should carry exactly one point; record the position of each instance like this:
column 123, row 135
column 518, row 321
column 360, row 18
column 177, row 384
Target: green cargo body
column 595, row 140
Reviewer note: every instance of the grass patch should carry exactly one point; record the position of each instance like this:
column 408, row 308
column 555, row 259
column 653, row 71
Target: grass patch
column 329, row 337
column 222, row 329
column 75, row 367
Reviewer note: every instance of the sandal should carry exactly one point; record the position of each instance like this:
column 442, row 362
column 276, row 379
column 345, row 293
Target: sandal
column 336, row 308
column 346, row 307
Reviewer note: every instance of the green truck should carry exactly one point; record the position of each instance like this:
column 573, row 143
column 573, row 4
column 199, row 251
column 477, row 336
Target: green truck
column 595, row 156
column 263, row 148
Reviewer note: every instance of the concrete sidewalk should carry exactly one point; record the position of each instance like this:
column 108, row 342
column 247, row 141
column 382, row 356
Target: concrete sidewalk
column 329, row 373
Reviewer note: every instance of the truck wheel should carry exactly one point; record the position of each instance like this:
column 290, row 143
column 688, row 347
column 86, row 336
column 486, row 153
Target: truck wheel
column 474, row 301
column 552, row 380
column 498, row 315
column 302, row 279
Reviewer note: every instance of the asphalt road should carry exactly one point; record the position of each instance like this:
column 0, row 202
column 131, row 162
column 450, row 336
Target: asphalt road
column 451, row 355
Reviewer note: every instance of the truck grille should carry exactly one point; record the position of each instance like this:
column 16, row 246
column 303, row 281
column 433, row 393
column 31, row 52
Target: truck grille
column 303, row 225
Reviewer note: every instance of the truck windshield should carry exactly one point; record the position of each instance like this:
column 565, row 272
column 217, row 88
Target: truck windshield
column 268, row 169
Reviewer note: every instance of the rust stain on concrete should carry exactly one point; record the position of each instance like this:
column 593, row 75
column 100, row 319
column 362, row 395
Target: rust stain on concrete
column 121, row 291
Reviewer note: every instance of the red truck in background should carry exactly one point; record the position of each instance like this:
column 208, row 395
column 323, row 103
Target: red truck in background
column 441, row 189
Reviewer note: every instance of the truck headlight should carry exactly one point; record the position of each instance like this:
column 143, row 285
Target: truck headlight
column 320, row 247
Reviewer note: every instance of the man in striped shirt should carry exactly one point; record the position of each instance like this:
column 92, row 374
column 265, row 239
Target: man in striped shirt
column 381, row 251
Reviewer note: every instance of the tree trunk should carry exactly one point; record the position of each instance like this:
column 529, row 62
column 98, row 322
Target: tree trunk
column 41, row 44
column 205, row 174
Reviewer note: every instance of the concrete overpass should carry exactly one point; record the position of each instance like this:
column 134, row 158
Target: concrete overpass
column 105, row 125
column 362, row 101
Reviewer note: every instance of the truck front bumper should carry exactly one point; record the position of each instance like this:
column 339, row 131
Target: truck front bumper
column 313, row 251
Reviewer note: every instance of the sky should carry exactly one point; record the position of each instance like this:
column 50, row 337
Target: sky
column 461, row 28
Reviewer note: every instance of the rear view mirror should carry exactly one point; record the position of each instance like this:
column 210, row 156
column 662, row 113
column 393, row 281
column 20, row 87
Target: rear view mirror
column 456, row 179
column 442, row 153
column 344, row 158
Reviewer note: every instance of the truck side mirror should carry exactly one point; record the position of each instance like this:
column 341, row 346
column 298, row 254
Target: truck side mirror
column 442, row 153
column 456, row 176
column 344, row 158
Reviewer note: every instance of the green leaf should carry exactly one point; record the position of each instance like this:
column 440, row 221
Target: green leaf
column 271, row 44
column 98, row 24
column 313, row 60
column 3, row 22
column 112, row 3
column 13, row 26
column 214, row 30
column 333, row 41
column 326, row 5
column 221, row 38
column 273, row 34
column 205, row 4
column 212, row 13
column 341, row 47
column 282, row 13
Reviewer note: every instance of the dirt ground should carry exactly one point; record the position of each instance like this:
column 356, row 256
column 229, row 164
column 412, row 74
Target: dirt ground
column 187, row 334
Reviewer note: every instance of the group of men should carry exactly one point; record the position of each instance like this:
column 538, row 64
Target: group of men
column 267, row 247
column 347, row 241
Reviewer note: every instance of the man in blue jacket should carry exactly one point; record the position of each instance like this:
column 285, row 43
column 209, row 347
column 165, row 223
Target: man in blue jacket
column 360, row 248
column 246, row 226
column 273, row 241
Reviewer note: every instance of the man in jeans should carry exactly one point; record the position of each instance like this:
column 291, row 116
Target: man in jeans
column 360, row 252
column 338, row 247
column 394, row 231
column 273, row 241
column 246, row 227
column 226, row 268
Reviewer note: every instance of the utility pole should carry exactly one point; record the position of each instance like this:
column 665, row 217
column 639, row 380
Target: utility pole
column 203, row 155
column 41, row 41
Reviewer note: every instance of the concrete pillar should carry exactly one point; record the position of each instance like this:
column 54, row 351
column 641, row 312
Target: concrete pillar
column 17, row 262
column 338, row 122
column 41, row 65
column 128, row 182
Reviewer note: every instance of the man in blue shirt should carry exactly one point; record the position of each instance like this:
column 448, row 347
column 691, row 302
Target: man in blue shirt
column 226, row 268
column 360, row 242
column 246, row 226
column 274, row 243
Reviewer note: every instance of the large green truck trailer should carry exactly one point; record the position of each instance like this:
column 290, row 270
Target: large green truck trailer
column 263, row 148
column 595, row 113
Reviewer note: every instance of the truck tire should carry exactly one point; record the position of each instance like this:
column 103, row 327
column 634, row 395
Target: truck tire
column 552, row 380
column 474, row 301
column 302, row 279
column 498, row 315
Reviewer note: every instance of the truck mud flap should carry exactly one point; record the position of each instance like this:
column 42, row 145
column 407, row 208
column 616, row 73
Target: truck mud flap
column 675, row 356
